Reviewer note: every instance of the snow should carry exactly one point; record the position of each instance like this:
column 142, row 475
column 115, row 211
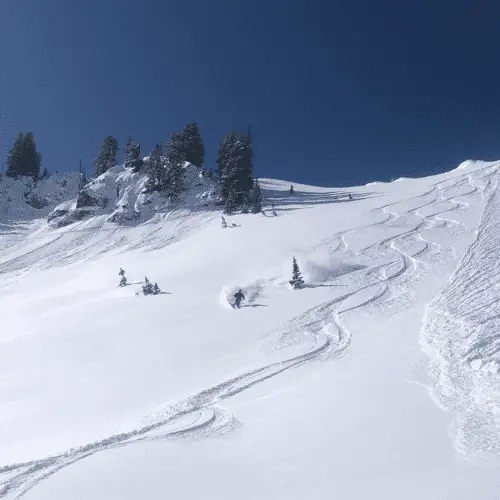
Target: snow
column 377, row 380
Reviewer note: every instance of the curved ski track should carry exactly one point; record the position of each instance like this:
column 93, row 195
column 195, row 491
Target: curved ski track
column 201, row 415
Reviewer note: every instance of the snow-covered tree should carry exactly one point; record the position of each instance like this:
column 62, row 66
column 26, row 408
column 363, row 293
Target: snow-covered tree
column 156, row 289
column 223, row 222
column 133, row 158
column 123, row 279
column 297, row 281
column 147, row 288
column 107, row 156
column 155, row 168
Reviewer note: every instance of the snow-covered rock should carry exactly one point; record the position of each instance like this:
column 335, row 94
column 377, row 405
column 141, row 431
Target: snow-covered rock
column 120, row 194
column 20, row 199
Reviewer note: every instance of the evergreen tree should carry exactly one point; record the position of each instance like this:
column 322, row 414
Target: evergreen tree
column 176, row 155
column 156, row 289
column 45, row 174
column 208, row 172
column 192, row 145
column 230, row 203
column 133, row 158
column 123, row 280
column 297, row 281
column 107, row 156
column 292, row 191
column 155, row 168
column 223, row 222
column 234, row 170
column 256, row 198
column 147, row 288
column 23, row 158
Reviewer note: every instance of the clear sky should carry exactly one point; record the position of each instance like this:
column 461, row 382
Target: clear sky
column 337, row 92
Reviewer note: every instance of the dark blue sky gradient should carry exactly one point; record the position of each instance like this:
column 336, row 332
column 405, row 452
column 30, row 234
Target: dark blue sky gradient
column 338, row 92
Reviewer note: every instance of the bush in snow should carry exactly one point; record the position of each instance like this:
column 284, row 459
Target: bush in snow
column 297, row 281
column 123, row 280
column 149, row 289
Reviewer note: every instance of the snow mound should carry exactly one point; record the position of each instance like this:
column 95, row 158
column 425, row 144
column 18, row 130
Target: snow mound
column 120, row 195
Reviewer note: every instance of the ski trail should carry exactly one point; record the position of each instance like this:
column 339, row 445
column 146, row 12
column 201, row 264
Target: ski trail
column 460, row 336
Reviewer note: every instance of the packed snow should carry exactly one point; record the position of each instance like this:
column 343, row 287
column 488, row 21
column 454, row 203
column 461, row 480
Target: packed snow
column 379, row 379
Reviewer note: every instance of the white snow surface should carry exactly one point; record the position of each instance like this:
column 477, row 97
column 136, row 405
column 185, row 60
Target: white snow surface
column 380, row 379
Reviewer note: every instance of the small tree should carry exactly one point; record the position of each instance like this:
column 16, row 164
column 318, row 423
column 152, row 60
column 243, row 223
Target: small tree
column 297, row 281
column 133, row 158
column 223, row 222
column 156, row 289
column 147, row 288
column 45, row 174
column 292, row 191
column 123, row 280
column 256, row 198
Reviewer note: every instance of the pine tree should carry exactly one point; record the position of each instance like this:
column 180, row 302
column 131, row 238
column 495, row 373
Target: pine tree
column 133, row 158
column 155, row 168
column 107, row 156
column 292, row 191
column 230, row 203
column 256, row 198
column 123, row 280
column 223, row 222
column 156, row 289
column 234, row 170
column 45, row 174
column 297, row 281
column 147, row 288
column 192, row 144
column 23, row 158
column 176, row 155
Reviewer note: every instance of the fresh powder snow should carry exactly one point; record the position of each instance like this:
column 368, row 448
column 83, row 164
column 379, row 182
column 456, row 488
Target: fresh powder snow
column 378, row 379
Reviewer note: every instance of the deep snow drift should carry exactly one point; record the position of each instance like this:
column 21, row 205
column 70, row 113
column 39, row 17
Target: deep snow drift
column 312, row 393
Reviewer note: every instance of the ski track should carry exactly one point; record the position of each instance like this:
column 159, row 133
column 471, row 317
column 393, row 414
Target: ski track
column 460, row 337
column 201, row 415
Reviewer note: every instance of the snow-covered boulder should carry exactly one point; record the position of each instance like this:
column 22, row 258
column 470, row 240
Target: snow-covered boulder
column 22, row 199
column 121, row 194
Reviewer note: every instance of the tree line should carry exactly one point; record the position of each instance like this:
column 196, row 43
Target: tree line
column 165, row 165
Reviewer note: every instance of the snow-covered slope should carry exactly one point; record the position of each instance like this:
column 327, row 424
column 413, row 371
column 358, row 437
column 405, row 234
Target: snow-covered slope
column 315, row 393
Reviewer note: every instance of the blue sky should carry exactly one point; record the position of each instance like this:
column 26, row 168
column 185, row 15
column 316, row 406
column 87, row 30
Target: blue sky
column 338, row 92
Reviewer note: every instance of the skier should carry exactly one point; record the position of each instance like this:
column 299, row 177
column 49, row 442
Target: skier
column 238, row 296
column 350, row 197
